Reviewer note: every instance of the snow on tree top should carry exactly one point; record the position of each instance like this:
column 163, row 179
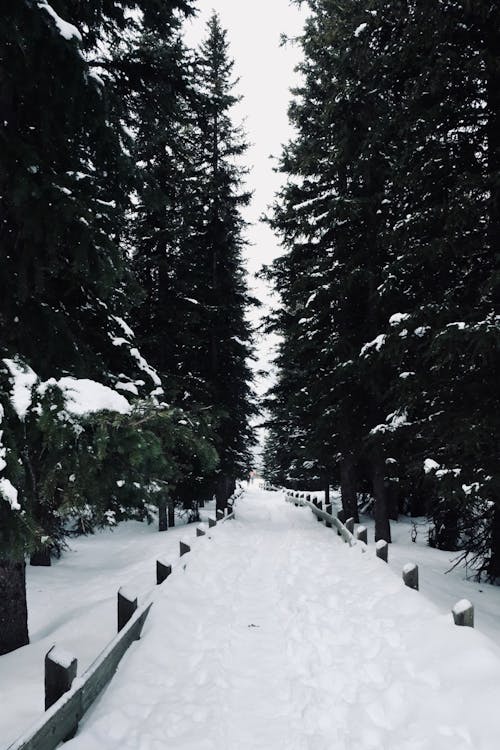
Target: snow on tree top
column 87, row 396
column 24, row 380
column 66, row 30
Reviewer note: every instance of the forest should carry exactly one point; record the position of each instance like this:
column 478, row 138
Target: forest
column 389, row 279
column 125, row 382
column 126, row 373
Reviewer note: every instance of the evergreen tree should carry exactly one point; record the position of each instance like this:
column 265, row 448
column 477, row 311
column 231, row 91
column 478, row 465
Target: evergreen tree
column 188, row 251
column 65, row 182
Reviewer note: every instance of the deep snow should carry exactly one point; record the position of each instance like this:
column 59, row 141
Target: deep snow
column 73, row 604
column 277, row 634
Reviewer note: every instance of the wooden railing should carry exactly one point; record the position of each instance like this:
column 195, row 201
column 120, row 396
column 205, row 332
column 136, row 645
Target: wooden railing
column 68, row 698
column 463, row 611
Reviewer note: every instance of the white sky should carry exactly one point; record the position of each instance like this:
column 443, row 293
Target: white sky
column 266, row 72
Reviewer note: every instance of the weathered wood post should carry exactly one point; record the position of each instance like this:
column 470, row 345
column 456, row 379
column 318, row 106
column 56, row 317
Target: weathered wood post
column 200, row 531
column 328, row 509
column 220, row 515
column 349, row 524
column 127, row 604
column 163, row 570
column 410, row 576
column 362, row 534
column 184, row 547
column 211, row 523
column 463, row 613
column 382, row 550
column 60, row 671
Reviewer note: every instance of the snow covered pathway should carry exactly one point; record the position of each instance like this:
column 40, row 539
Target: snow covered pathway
column 276, row 635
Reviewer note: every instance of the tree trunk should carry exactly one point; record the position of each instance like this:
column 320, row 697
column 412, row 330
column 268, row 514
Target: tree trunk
column 41, row 558
column 222, row 491
column 13, row 608
column 494, row 561
column 393, row 499
column 171, row 512
column 349, row 486
column 162, row 514
column 382, row 525
column 327, row 492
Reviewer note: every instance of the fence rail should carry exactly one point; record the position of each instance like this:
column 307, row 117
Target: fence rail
column 463, row 611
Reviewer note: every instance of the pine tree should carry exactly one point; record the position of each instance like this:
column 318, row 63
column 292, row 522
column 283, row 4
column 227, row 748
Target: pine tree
column 65, row 183
column 188, row 252
column 223, row 361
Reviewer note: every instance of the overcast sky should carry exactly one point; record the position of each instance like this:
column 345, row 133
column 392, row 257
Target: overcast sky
column 266, row 72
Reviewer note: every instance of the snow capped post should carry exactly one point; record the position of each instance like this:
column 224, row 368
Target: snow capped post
column 163, row 570
column 463, row 613
column 211, row 523
column 328, row 509
column 382, row 550
column 200, row 531
column 410, row 576
column 362, row 534
column 127, row 604
column 60, row 671
column 349, row 524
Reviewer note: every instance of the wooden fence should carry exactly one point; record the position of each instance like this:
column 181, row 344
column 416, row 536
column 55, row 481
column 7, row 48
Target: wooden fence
column 67, row 697
column 463, row 611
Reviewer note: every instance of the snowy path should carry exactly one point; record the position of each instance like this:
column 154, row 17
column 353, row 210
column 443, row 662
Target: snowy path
column 277, row 635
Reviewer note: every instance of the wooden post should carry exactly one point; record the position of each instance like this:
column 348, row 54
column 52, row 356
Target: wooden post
column 382, row 550
column 220, row 515
column 184, row 548
column 410, row 576
column 463, row 613
column 200, row 531
column 60, row 671
column 211, row 523
column 328, row 509
column 127, row 604
column 163, row 570
column 362, row 534
column 349, row 524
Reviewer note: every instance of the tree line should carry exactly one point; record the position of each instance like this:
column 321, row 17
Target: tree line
column 389, row 364
column 124, row 357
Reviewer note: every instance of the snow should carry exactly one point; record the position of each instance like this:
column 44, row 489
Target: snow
column 462, row 606
column 63, row 658
column 430, row 465
column 381, row 544
column 66, row 30
column 360, row 29
column 73, row 604
column 409, row 568
column 273, row 622
column 24, row 379
column 84, row 396
column 143, row 365
column 398, row 318
column 129, row 387
column 9, row 492
column 377, row 343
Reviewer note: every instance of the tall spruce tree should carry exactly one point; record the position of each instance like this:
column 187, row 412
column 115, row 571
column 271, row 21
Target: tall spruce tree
column 65, row 182
column 188, row 253
column 223, row 360
column 393, row 204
